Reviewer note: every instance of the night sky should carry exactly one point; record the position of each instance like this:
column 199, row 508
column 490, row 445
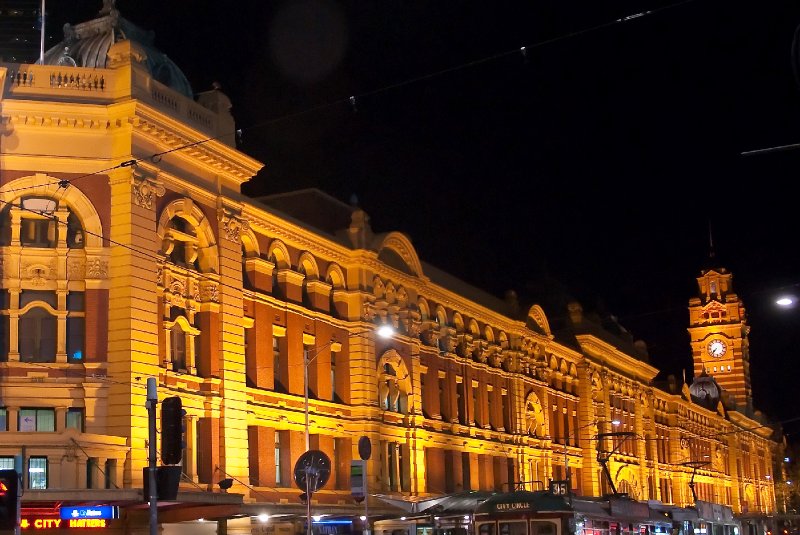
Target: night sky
column 600, row 157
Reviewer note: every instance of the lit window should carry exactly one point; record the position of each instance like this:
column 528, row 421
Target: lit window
column 3, row 419
column 41, row 420
column 7, row 463
column 37, row 473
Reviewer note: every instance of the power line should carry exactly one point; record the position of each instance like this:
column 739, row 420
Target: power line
column 353, row 99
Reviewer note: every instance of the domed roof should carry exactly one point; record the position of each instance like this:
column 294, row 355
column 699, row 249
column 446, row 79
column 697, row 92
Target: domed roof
column 705, row 391
column 87, row 44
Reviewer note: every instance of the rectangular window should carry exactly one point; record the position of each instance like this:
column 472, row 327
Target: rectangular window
column 42, row 420
column 111, row 470
column 178, row 348
column 37, row 473
column 91, row 466
column 276, row 364
column 37, row 336
column 278, row 479
column 505, row 411
column 443, row 408
column 76, row 302
column 476, row 415
column 490, row 406
column 333, row 376
column 3, row 419
column 74, row 419
column 7, row 463
column 37, row 232
column 76, row 328
column 461, row 403
column 308, row 354
column 423, row 391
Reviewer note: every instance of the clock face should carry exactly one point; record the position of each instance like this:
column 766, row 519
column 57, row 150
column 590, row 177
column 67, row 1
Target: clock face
column 716, row 348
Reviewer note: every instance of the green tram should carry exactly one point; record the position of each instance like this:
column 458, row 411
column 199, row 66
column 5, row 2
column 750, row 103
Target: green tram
column 544, row 513
column 523, row 512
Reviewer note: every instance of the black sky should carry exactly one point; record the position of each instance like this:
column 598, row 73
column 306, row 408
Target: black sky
column 599, row 158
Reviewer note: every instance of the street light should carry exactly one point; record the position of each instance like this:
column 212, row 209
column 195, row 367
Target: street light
column 384, row 331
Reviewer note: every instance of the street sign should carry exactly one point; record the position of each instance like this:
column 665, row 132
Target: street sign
column 364, row 448
column 559, row 488
column 312, row 470
column 358, row 487
column 98, row 511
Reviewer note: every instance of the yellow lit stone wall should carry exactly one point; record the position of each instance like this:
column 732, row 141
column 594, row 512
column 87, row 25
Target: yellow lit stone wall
column 462, row 397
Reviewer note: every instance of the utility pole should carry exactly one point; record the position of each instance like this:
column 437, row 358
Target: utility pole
column 152, row 401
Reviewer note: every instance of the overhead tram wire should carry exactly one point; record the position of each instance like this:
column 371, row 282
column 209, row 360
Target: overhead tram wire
column 353, row 99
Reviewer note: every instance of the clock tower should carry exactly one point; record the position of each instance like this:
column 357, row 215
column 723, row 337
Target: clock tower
column 718, row 332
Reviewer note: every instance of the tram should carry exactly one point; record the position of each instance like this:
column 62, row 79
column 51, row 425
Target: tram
column 542, row 512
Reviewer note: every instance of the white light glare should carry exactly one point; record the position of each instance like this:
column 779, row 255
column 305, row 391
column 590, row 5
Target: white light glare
column 263, row 517
column 785, row 301
column 316, row 518
column 362, row 517
column 786, row 459
column 466, row 517
column 615, row 422
column 385, row 331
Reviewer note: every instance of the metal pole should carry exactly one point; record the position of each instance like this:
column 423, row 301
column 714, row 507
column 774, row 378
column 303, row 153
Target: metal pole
column 152, row 401
column 305, row 395
column 309, row 531
column 41, row 36
column 366, row 500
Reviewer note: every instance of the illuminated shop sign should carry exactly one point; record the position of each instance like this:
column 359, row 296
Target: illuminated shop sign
column 100, row 511
column 34, row 523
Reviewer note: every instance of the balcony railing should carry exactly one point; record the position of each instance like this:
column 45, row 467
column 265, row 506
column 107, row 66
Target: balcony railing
column 105, row 86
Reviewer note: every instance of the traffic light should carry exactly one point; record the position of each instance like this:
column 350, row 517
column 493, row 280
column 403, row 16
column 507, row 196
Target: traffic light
column 172, row 430
column 9, row 499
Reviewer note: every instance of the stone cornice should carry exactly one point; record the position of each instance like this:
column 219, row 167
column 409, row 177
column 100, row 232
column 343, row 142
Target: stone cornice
column 215, row 156
column 303, row 239
column 614, row 359
column 67, row 114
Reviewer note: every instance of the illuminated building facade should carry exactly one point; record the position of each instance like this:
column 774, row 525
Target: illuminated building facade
column 127, row 251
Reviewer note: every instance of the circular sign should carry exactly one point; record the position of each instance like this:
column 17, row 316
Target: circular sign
column 364, row 448
column 312, row 470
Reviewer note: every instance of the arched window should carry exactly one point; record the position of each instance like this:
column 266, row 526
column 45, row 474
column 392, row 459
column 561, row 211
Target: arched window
column 181, row 245
column 391, row 392
column 177, row 348
column 181, row 339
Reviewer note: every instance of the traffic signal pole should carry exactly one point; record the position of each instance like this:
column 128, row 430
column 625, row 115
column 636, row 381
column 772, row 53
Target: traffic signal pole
column 152, row 401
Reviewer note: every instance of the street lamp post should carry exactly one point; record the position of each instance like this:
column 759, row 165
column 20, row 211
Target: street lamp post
column 385, row 331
